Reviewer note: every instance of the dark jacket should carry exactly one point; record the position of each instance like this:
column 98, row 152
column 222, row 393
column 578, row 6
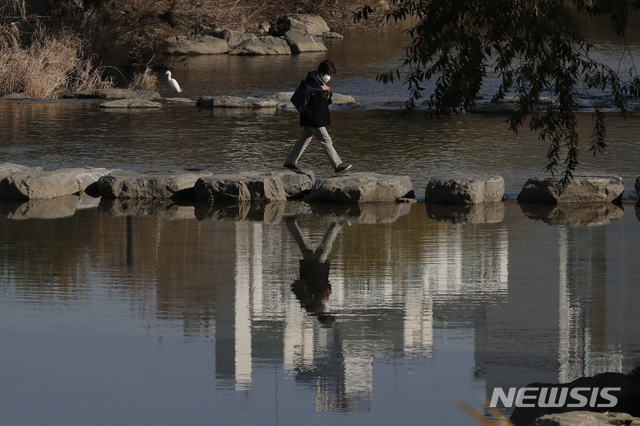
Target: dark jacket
column 317, row 112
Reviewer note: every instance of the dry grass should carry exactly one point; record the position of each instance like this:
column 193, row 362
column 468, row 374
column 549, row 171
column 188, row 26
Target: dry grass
column 146, row 80
column 47, row 69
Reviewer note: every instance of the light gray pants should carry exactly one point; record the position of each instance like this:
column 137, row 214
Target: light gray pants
column 307, row 134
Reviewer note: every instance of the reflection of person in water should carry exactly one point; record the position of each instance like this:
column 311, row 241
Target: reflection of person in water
column 313, row 288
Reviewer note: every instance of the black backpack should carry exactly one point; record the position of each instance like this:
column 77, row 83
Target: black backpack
column 301, row 96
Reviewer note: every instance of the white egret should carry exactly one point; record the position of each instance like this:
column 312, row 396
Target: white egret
column 173, row 83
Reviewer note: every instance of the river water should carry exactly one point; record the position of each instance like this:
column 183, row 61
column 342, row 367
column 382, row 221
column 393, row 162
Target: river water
column 154, row 313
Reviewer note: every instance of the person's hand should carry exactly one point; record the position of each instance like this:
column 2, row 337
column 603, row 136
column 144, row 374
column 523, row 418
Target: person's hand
column 327, row 90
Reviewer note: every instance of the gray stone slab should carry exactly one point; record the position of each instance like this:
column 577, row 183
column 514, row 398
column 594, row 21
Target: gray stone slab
column 169, row 185
column 360, row 187
column 300, row 42
column 305, row 23
column 296, row 183
column 130, row 103
column 233, row 38
column 464, row 188
column 39, row 185
column 8, row 168
column 51, row 184
column 235, row 102
column 582, row 189
column 197, row 45
column 236, row 188
column 283, row 99
column 265, row 45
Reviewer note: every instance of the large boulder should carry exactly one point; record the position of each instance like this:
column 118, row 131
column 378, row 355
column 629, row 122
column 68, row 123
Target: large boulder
column 296, row 183
column 266, row 45
column 196, row 45
column 360, row 188
column 235, row 102
column 88, row 178
column 233, row 38
column 301, row 42
column 130, row 103
column 116, row 94
column 8, row 168
column 51, row 184
column 237, row 188
column 309, row 24
column 581, row 189
column 130, row 185
column 573, row 214
column 464, row 189
column 470, row 213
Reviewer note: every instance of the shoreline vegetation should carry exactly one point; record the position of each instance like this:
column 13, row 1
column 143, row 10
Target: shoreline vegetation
column 49, row 48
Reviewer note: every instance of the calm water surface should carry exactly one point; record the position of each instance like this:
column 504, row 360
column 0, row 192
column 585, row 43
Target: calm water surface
column 152, row 313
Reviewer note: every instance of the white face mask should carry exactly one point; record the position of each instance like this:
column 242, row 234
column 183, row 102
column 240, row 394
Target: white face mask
column 326, row 78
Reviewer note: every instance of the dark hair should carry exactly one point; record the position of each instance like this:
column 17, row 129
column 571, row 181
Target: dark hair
column 327, row 67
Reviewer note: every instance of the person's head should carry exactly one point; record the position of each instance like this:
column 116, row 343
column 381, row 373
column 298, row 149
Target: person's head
column 327, row 67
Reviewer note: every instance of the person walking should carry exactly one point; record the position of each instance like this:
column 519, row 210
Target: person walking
column 315, row 119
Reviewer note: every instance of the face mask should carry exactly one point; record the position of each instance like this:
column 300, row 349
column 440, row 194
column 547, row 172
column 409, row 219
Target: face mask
column 326, row 78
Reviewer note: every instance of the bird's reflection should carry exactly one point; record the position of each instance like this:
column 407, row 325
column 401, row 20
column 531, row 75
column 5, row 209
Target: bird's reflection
column 313, row 288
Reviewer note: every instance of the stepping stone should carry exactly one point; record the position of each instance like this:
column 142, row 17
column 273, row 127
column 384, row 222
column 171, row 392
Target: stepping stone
column 235, row 102
column 464, row 189
column 352, row 188
column 296, row 183
column 130, row 185
column 131, row 103
column 51, row 184
column 237, row 188
column 8, row 168
column 582, row 189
